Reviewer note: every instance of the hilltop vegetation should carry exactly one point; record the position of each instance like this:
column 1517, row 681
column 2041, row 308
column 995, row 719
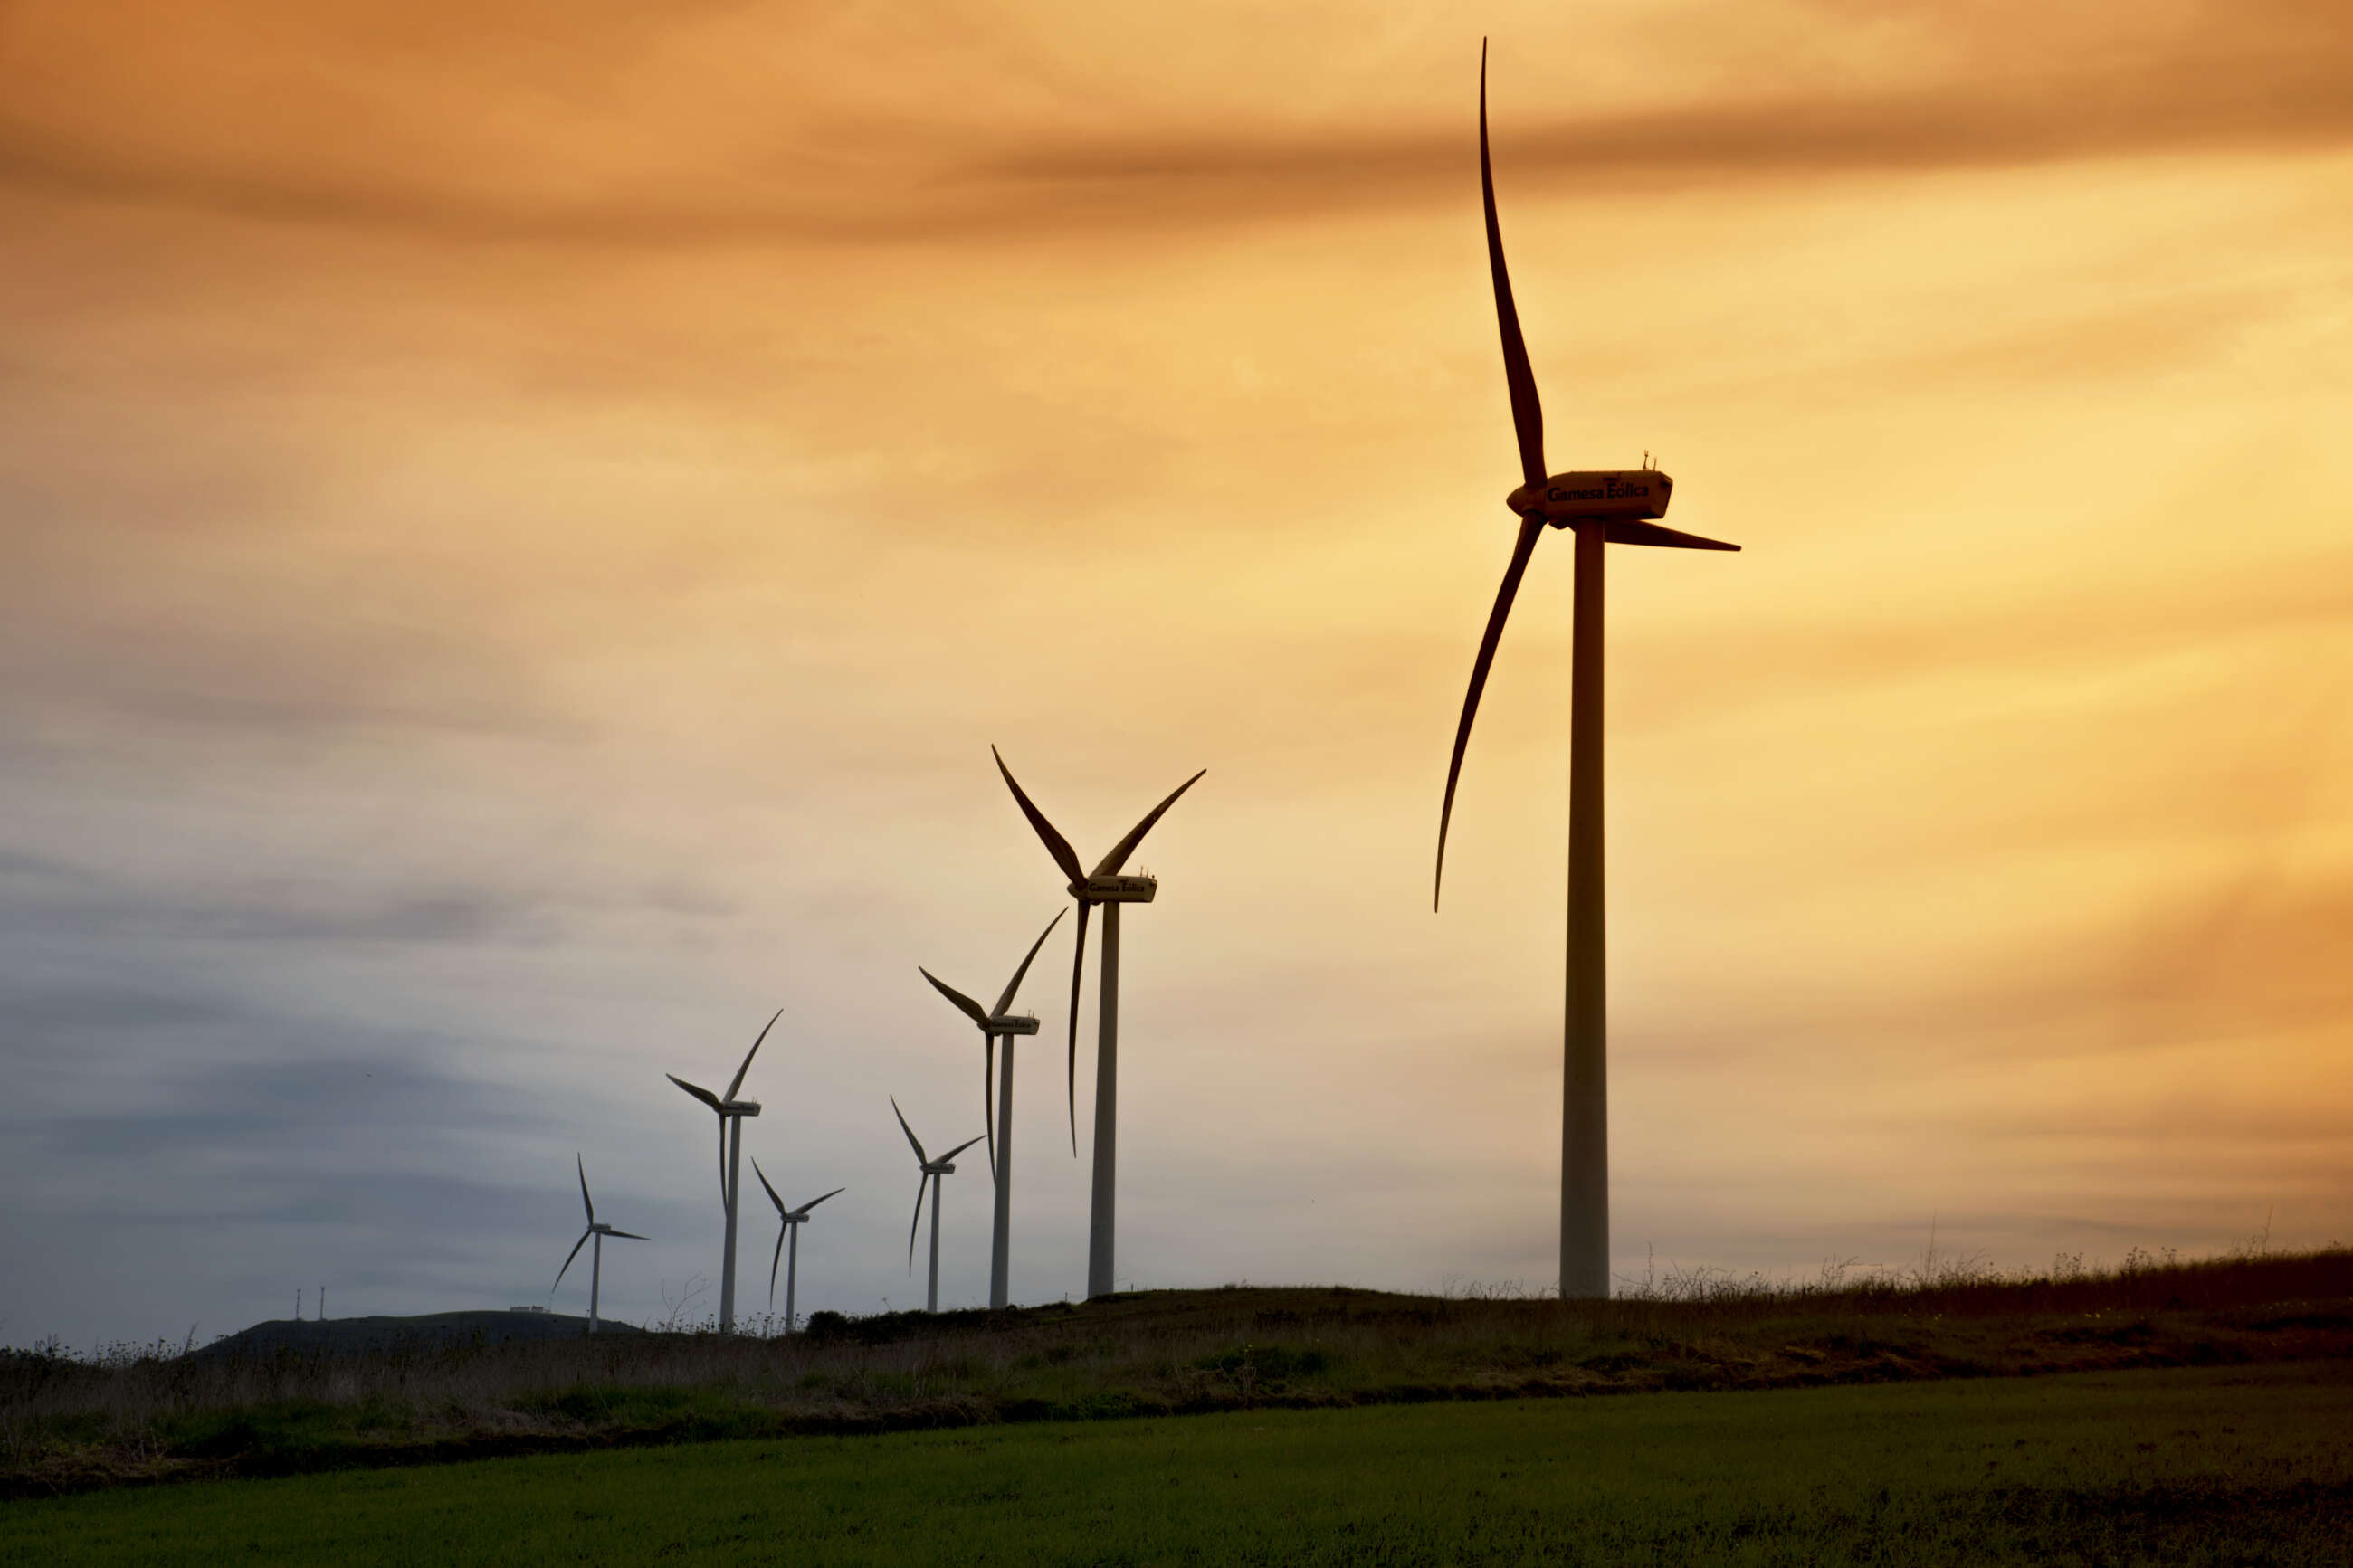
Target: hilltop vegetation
column 68, row 1424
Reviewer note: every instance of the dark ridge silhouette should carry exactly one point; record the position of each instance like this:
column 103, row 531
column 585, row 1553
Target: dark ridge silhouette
column 372, row 1336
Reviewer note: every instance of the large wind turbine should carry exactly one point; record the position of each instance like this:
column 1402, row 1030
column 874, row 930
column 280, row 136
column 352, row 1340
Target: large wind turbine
column 731, row 1112
column 1106, row 886
column 791, row 1221
column 596, row 1254
column 1614, row 506
column 933, row 1170
column 994, row 1023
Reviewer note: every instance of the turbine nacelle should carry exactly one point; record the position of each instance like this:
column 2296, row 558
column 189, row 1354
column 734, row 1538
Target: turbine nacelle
column 597, row 1229
column 999, row 1024
column 1106, row 884
column 739, row 1107
column 1603, row 494
column 1115, row 889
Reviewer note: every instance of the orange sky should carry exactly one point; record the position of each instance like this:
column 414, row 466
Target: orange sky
column 525, row 520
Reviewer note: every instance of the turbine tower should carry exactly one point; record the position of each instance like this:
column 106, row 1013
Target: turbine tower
column 1613, row 507
column 933, row 1170
column 793, row 1220
column 994, row 1023
column 1105, row 886
column 596, row 1254
column 731, row 1112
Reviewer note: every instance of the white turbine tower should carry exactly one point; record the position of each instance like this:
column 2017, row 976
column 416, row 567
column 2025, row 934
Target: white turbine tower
column 933, row 1170
column 731, row 1112
column 793, row 1219
column 597, row 1232
column 996, row 1022
column 1105, row 885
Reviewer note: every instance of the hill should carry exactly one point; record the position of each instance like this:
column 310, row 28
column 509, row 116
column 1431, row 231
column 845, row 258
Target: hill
column 247, row 1407
column 374, row 1336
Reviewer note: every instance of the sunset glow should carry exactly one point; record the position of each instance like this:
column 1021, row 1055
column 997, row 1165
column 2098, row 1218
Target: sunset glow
column 524, row 522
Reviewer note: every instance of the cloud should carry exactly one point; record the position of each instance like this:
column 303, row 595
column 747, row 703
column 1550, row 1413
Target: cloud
column 261, row 1115
column 233, row 914
column 527, row 661
column 2052, row 629
column 605, row 130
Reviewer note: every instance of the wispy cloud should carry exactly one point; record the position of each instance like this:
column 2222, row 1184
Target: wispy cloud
column 1020, row 142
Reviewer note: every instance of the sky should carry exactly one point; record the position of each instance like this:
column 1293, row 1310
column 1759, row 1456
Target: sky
column 524, row 522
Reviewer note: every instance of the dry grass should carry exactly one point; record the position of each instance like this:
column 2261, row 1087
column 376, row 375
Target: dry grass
column 156, row 1413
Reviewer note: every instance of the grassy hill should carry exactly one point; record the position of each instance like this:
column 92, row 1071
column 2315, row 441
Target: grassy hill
column 66, row 1424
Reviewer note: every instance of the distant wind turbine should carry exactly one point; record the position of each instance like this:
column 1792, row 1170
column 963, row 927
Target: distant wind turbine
column 996, row 1022
column 731, row 1112
column 933, row 1170
column 792, row 1220
column 1105, row 885
column 596, row 1254
column 1614, row 506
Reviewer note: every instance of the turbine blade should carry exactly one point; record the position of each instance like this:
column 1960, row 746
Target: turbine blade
column 737, row 1082
column 764, row 1182
column 1527, row 413
column 1056, row 845
column 781, row 1229
column 1633, row 530
column 965, row 1005
column 989, row 1098
column 632, row 1234
column 1071, row 1068
column 1127, row 847
column 915, row 1142
column 1530, row 528
column 802, row 1211
column 954, row 1151
column 697, row 1090
column 567, row 1261
column 722, row 1162
column 585, row 1202
column 923, row 1180
column 1014, row 984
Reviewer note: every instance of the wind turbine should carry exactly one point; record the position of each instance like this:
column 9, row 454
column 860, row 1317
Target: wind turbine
column 793, row 1220
column 995, row 1022
column 1106, row 886
column 731, row 1112
column 1613, row 507
column 596, row 1254
column 933, row 1170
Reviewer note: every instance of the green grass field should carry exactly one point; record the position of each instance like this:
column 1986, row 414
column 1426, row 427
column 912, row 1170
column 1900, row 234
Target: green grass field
column 2244, row 1465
